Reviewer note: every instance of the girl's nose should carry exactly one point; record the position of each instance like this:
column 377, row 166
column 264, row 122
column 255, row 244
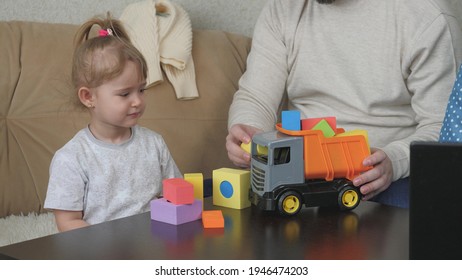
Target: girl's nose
column 137, row 100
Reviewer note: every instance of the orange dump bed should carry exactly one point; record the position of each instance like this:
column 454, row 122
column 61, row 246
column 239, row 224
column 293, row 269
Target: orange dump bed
column 331, row 157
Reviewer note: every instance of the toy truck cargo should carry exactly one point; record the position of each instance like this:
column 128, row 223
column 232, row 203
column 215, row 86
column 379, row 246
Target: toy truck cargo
column 294, row 168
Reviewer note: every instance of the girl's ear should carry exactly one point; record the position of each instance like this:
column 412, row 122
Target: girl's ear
column 86, row 97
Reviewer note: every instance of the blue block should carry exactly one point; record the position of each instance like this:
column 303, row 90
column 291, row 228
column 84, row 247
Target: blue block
column 291, row 120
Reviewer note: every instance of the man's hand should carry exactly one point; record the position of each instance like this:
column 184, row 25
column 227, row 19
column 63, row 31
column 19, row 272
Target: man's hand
column 238, row 134
column 377, row 179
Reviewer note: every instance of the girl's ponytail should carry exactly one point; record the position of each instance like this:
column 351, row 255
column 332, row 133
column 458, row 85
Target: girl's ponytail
column 107, row 27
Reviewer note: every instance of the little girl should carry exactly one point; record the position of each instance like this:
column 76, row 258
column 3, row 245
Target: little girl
column 112, row 168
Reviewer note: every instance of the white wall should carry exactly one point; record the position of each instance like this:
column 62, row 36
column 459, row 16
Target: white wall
column 238, row 16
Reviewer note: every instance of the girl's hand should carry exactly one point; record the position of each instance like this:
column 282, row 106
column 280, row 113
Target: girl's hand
column 377, row 179
column 238, row 134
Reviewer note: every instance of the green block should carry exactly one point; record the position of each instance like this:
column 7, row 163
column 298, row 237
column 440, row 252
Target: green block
column 324, row 126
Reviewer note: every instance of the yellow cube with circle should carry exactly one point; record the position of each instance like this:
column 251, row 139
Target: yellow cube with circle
column 231, row 188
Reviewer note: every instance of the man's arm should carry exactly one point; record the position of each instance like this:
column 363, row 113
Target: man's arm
column 431, row 65
column 262, row 86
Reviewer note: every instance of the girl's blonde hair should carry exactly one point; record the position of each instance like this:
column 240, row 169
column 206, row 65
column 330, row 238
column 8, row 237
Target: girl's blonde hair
column 101, row 58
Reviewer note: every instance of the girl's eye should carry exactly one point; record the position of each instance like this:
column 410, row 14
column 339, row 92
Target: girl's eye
column 142, row 90
column 124, row 94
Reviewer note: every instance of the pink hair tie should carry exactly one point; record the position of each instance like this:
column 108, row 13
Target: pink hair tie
column 104, row 33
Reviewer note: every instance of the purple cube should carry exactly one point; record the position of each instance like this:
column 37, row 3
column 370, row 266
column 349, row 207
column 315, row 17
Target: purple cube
column 164, row 211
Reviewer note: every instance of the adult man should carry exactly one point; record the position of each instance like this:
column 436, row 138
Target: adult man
column 386, row 66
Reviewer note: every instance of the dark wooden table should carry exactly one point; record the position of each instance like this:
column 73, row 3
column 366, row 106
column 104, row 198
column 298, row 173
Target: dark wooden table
column 371, row 231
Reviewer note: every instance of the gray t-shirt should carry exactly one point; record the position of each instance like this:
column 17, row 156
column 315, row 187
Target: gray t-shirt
column 109, row 181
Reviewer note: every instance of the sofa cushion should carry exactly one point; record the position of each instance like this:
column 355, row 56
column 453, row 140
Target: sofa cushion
column 37, row 118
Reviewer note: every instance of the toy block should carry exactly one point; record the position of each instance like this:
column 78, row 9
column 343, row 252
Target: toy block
column 324, row 126
column 197, row 180
column 178, row 191
column 308, row 124
column 260, row 149
column 164, row 211
column 291, row 120
column 247, row 147
column 231, row 188
column 213, row 219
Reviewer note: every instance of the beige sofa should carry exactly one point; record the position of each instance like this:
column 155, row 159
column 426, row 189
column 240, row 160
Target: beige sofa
column 36, row 117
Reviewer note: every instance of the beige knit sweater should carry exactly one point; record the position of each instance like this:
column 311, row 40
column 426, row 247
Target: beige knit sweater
column 165, row 39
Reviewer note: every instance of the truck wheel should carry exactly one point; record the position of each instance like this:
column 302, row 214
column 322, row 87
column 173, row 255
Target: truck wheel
column 348, row 198
column 289, row 203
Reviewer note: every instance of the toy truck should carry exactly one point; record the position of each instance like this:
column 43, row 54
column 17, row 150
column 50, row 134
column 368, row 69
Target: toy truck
column 294, row 168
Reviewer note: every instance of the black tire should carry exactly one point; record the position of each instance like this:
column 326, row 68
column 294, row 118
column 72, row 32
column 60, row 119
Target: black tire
column 349, row 198
column 290, row 203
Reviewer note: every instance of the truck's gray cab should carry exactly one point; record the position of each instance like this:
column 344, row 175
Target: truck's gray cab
column 283, row 163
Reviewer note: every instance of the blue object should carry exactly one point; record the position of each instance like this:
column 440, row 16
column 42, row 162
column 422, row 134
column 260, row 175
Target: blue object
column 451, row 131
column 291, row 120
column 226, row 189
